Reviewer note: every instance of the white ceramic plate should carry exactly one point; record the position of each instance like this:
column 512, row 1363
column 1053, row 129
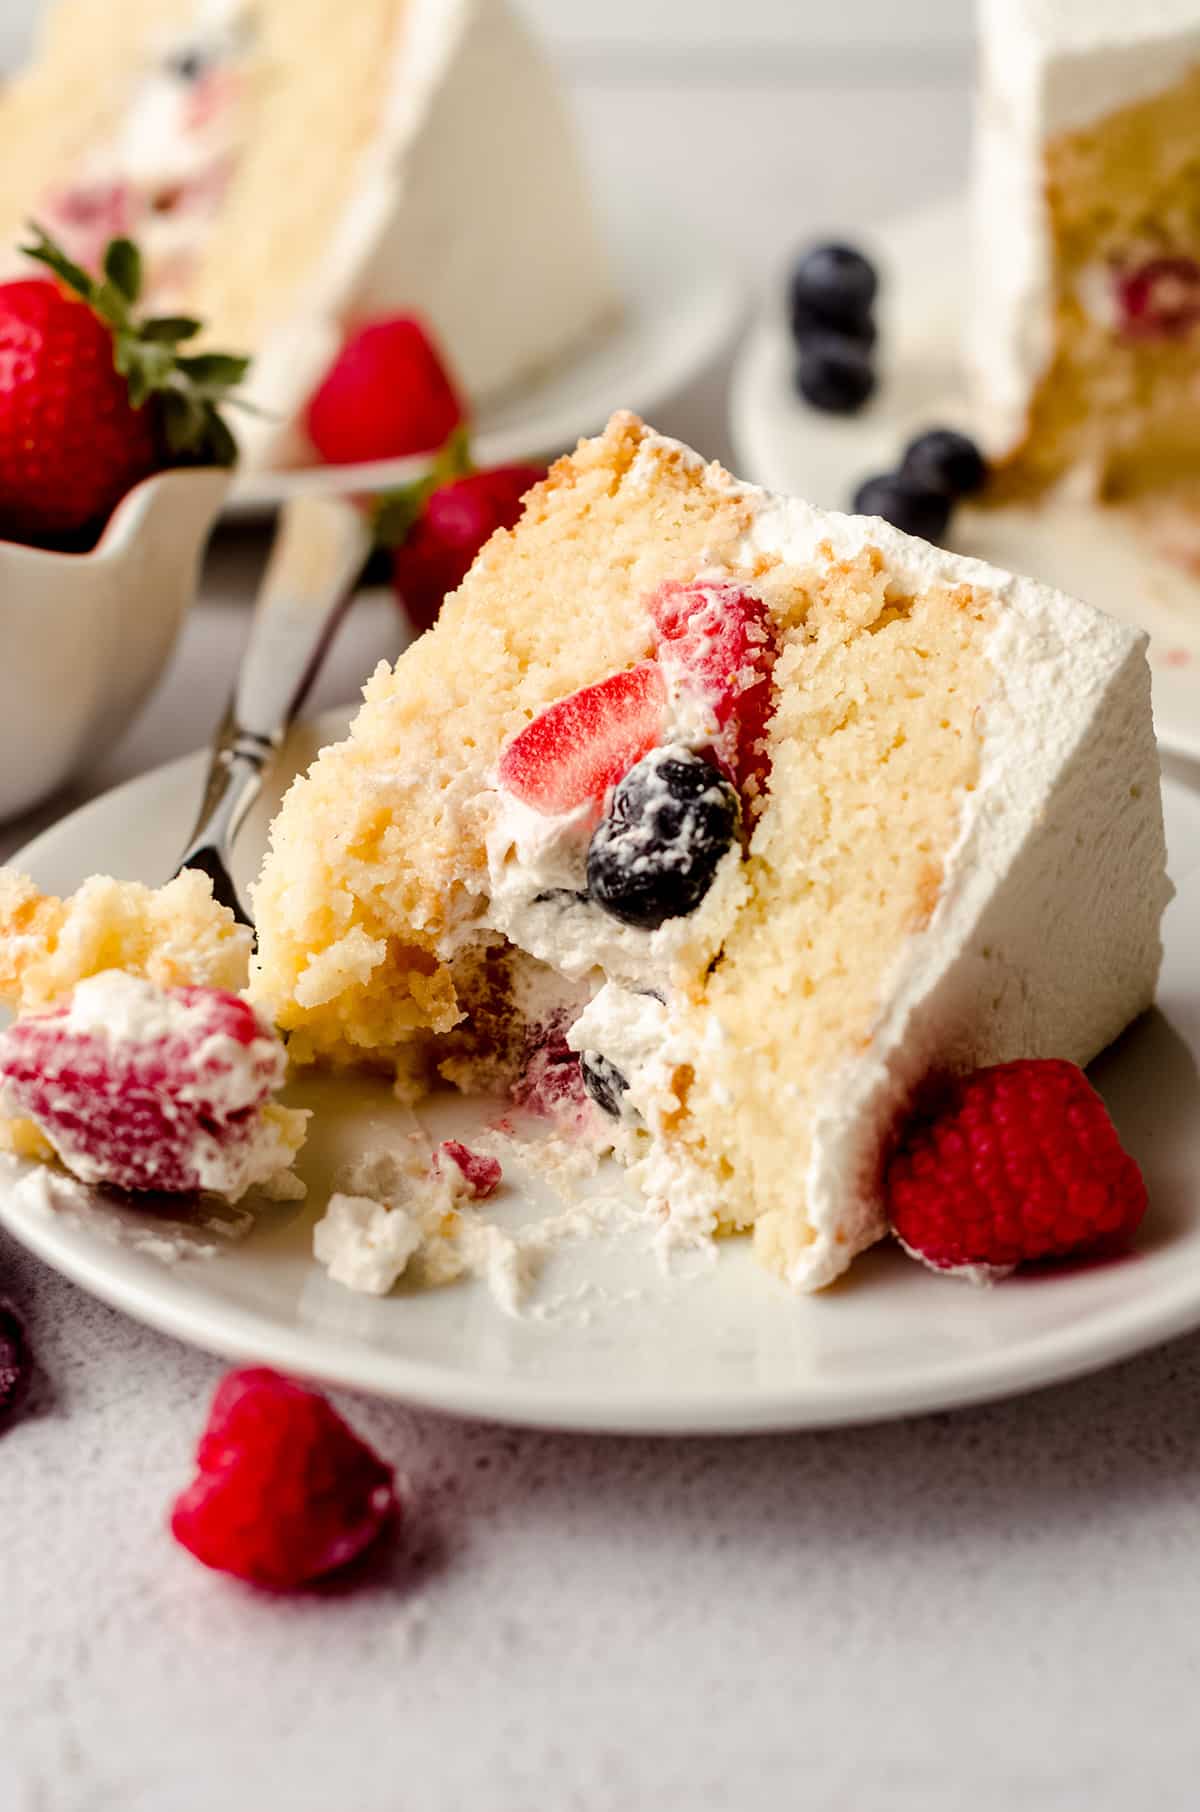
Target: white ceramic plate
column 787, row 446
column 621, row 1346
column 681, row 303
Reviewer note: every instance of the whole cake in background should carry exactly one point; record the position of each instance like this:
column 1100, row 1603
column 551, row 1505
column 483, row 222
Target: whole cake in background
column 1085, row 324
column 725, row 821
column 290, row 167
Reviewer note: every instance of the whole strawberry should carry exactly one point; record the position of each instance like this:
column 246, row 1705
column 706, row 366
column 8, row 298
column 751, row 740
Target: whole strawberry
column 285, row 1492
column 388, row 394
column 436, row 555
column 1010, row 1165
column 92, row 399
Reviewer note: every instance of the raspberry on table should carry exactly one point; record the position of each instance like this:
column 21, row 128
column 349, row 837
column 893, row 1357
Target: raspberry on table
column 285, row 1491
column 16, row 1363
column 1010, row 1165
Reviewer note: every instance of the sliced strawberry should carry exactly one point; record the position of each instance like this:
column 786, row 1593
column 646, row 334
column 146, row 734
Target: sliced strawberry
column 586, row 742
column 716, row 641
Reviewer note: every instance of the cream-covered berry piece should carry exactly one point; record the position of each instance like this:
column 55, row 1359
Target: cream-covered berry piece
column 150, row 1089
column 174, row 936
column 775, row 810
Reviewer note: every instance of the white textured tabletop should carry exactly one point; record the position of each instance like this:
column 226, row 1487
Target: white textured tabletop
column 985, row 1610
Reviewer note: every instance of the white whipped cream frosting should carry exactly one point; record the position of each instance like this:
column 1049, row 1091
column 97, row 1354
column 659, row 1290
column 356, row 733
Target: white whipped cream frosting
column 1046, row 67
column 1021, row 953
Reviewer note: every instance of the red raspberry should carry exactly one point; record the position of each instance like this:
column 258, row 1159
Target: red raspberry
column 1160, row 300
column 386, row 395
column 162, row 1105
column 458, row 518
column 16, row 1363
column 480, row 1174
column 716, row 639
column 580, row 746
column 285, row 1491
column 550, row 1081
column 1009, row 1165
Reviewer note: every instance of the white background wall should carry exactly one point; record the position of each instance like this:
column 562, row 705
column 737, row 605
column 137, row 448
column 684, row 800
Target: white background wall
column 705, row 29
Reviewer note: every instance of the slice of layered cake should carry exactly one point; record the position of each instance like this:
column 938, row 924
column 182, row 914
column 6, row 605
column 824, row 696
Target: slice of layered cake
column 291, row 166
column 720, row 822
column 1085, row 323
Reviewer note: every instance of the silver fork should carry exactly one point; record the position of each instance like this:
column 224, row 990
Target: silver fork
column 319, row 551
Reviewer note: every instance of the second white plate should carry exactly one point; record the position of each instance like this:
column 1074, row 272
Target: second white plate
column 618, row 1345
column 681, row 302
column 786, row 445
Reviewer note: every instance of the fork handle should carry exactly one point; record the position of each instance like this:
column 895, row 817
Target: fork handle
column 319, row 551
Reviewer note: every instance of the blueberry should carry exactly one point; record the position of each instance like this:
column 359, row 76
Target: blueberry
column 834, row 283
column 834, row 373
column 944, row 460
column 603, row 1082
column 807, row 321
column 654, row 855
column 187, row 65
column 908, row 506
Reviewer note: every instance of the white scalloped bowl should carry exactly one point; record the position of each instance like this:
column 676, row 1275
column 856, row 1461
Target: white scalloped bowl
column 86, row 636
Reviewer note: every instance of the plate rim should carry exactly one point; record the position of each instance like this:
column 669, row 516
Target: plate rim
column 236, row 1334
column 234, row 1330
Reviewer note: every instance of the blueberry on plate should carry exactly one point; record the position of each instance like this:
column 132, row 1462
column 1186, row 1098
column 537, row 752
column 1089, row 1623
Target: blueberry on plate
column 834, row 283
column 834, row 373
column 603, row 1082
column 807, row 321
column 908, row 506
column 945, row 460
column 655, row 853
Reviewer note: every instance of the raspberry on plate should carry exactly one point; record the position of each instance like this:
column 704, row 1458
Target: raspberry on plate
column 152, row 1089
column 387, row 394
column 1010, row 1165
column 576, row 749
column 285, row 1491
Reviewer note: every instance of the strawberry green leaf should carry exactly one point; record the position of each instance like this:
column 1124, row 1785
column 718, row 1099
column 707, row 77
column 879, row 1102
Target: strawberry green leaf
column 45, row 251
column 219, row 370
column 187, row 391
column 170, row 329
column 393, row 514
column 123, row 268
column 220, row 448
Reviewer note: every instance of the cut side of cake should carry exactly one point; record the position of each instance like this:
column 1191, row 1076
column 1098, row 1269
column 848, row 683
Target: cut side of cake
column 718, row 822
column 289, row 167
column 1084, row 345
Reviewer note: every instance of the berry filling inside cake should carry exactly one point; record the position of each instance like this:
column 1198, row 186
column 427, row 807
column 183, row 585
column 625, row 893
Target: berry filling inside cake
column 163, row 174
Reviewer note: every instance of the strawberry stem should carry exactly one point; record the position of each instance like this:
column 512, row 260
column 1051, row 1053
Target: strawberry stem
column 188, row 390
